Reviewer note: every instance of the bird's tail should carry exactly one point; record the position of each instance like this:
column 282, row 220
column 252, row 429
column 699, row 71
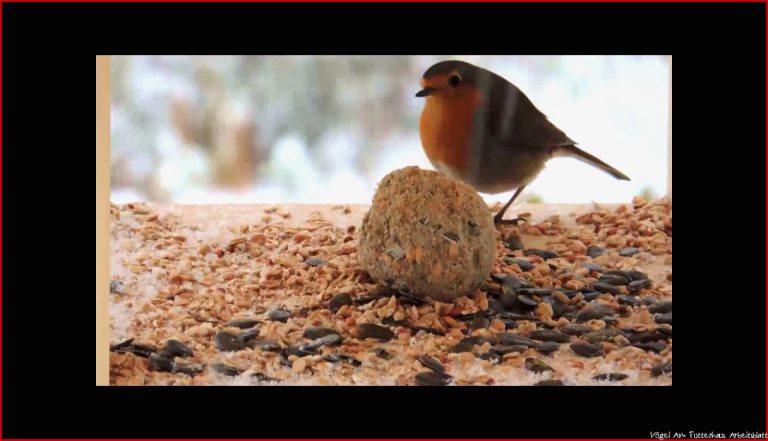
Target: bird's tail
column 572, row 151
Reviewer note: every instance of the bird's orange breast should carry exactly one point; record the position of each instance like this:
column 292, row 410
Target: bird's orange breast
column 446, row 128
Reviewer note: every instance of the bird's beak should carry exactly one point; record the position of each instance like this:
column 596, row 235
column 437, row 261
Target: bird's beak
column 427, row 91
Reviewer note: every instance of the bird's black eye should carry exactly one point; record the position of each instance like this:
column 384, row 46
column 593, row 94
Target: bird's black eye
column 454, row 80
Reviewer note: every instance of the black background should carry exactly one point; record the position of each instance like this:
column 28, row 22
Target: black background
column 719, row 62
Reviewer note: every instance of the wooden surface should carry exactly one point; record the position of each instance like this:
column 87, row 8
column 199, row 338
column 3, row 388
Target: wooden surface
column 102, row 218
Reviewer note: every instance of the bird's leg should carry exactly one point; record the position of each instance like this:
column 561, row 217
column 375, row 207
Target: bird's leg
column 498, row 219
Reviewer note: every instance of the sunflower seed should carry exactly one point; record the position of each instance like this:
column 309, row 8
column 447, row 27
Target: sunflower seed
column 338, row 301
column 586, row 349
column 161, row 364
column 241, row 323
column 225, row 369
column 279, row 315
column 537, row 366
column 342, row 358
column 629, row 251
column 175, row 348
column 431, row 363
column 369, row 330
column 549, row 335
column 663, row 368
column 595, row 251
column 616, row 376
column 544, row 254
column 433, row 379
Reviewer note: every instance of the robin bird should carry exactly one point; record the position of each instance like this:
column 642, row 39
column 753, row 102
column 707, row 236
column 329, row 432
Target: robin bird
column 481, row 129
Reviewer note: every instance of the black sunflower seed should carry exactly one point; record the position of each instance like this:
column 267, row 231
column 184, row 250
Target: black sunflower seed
column 496, row 305
column 639, row 337
column 383, row 354
column 637, row 285
column 120, row 345
column 541, row 292
column 472, row 316
column 342, row 358
column 261, row 377
column 314, row 261
column 116, row 287
column 629, row 251
column 508, row 349
column 586, row 349
column 517, row 316
column 433, row 379
column 605, row 287
column 161, row 364
column 549, row 335
column 549, row 383
column 265, row 345
column 431, row 363
column 576, row 329
column 225, row 369
column 663, row 368
column 544, row 254
column 479, row 323
column 590, row 295
column 653, row 346
column 338, row 301
column 328, row 340
column 547, row 347
column 466, row 344
column 628, row 300
column 299, row 351
column 612, row 279
column 279, row 315
column 537, row 366
column 314, row 332
column 512, row 339
column 250, row 334
column 660, row 308
column 615, row 376
column 188, row 368
column 514, row 243
column 369, row 298
column 522, row 263
column 369, row 330
column 241, row 323
column 228, row 342
column 663, row 318
column 490, row 355
column 594, row 267
column 427, row 329
column 512, row 282
column 407, row 298
column 636, row 275
column 595, row 251
column 175, row 348
column 600, row 335
column 592, row 311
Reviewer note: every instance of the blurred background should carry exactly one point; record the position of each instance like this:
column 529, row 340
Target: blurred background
column 326, row 129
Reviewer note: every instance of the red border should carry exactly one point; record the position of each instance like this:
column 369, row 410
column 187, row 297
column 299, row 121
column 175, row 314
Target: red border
column 342, row 1
column 388, row 1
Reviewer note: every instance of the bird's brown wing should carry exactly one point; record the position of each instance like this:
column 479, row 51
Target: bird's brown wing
column 512, row 119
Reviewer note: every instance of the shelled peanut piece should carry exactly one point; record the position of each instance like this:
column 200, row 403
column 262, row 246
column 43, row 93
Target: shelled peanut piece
column 244, row 295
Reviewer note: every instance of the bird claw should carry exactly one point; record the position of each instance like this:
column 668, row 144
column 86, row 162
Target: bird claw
column 514, row 221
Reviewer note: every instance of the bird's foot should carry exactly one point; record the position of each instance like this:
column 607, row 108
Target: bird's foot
column 499, row 221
